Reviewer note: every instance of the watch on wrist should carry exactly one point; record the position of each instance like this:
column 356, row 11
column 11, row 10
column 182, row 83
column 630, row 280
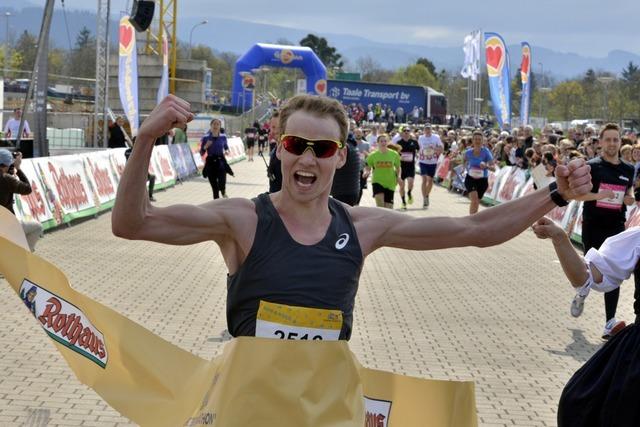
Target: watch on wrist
column 555, row 195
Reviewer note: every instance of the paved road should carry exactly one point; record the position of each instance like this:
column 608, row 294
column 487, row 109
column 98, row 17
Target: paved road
column 498, row 316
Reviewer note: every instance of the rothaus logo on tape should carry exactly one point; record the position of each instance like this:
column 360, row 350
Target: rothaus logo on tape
column 65, row 323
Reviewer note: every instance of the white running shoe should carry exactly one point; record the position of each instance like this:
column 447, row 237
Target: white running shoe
column 577, row 305
column 612, row 327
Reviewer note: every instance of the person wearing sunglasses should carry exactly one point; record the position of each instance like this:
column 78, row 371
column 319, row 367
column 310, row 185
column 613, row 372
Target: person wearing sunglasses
column 299, row 252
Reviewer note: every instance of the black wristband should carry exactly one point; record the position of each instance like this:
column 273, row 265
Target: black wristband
column 555, row 196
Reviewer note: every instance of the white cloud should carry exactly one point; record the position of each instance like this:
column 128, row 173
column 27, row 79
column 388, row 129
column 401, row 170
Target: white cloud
column 434, row 33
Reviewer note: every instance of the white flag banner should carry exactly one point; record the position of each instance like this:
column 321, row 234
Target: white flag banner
column 471, row 48
column 475, row 46
column 468, row 56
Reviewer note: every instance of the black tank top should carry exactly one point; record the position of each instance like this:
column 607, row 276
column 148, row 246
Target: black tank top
column 280, row 270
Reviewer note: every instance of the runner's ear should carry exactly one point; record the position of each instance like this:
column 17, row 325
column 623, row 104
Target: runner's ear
column 342, row 157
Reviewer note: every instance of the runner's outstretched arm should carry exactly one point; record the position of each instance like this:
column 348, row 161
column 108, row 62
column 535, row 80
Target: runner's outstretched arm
column 486, row 228
column 134, row 217
column 573, row 265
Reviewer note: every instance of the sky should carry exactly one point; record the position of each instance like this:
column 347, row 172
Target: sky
column 586, row 27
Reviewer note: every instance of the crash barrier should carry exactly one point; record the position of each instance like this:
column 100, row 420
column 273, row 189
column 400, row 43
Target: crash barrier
column 510, row 182
column 81, row 185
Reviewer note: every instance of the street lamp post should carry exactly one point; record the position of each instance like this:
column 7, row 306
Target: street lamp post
column 191, row 33
column 7, row 15
column 541, row 86
column 605, row 80
column 478, row 108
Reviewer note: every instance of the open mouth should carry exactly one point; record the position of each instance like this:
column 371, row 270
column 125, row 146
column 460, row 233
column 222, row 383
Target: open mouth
column 305, row 179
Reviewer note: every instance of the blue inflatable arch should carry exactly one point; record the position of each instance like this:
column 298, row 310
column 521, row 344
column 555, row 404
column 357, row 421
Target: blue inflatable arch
column 273, row 55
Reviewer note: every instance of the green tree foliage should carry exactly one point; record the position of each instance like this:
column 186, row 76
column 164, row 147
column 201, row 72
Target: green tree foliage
column 26, row 46
column 631, row 87
column 565, row 100
column 221, row 65
column 82, row 59
column 427, row 63
column 327, row 54
column 57, row 61
column 372, row 71
column 416, row 74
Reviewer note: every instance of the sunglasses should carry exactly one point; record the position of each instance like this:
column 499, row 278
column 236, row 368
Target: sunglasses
column 322, row 148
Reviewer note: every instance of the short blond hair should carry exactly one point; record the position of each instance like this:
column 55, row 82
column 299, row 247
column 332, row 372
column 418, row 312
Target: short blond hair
column 320, row 106
column 382, row 135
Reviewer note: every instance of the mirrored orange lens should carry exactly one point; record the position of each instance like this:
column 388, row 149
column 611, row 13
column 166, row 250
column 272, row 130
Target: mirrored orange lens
column 298, row 145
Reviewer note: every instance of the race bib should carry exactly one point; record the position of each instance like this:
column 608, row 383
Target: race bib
column 476, row 173
column 406, row 157
column 427, row 154
column 614, row 202
column 297, row 323
column 251, row 135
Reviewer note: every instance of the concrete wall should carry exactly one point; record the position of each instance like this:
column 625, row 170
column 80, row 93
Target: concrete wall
column 149, row 74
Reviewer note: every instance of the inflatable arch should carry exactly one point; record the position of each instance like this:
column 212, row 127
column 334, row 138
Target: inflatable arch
column 276, row 56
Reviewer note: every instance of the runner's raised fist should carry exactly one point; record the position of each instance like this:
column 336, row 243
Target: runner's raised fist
column 169, row 113
column 574, row 179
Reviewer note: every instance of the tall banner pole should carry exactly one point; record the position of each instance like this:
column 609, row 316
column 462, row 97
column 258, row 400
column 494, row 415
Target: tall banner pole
column 479, row 40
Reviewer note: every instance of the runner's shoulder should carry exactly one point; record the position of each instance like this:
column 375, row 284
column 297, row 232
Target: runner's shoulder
column 237, row 207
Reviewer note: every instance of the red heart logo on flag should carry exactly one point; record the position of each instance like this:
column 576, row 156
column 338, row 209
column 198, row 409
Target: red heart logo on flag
column 321, row 87
column 524, row 67
column 494, row 56
column 126, row 35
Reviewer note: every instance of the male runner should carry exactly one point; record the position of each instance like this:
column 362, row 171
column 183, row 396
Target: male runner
column 297, row 251
column 408, row 149
column 430, row 149
column 603, row 218
column 385, row 164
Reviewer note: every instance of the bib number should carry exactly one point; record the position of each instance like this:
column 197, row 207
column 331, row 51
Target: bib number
column 287, row 322
column 476, row 173
column 406, row 157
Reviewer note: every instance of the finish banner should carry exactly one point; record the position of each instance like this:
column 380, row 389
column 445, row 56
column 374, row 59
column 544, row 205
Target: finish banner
column 128, row 73
column 498, row 70
column 525, row 75
column 256, row 381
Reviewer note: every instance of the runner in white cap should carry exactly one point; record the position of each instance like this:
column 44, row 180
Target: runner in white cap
column 430, row 149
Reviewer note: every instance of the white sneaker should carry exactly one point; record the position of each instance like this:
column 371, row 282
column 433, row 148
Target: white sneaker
column 577, row 305
column 612, row 327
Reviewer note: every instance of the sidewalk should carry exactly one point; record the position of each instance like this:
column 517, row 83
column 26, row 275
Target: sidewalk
column 499, row 316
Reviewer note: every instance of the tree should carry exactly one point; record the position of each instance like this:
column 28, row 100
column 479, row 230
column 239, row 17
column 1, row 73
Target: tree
column 631, row 90
column 427, row 63
column 56, row 61
column 82, row 59
column 27, row 46
column 416, row 74
column 631, row 74
column 566, row 99
column 372, row 71
column 221, row 65
column 327, row 54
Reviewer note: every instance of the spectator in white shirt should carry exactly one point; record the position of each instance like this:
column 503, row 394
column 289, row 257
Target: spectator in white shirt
column 13, row 126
